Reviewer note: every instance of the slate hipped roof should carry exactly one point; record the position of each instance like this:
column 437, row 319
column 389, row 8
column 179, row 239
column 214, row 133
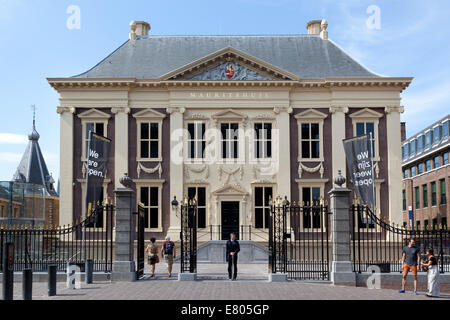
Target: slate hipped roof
column 32, row 167
column 306, row 56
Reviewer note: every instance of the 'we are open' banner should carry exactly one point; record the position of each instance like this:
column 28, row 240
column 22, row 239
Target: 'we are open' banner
column 98, row 152
column 358, row 152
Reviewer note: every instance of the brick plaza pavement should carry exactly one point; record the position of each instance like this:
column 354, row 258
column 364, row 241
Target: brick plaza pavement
column 250, row 286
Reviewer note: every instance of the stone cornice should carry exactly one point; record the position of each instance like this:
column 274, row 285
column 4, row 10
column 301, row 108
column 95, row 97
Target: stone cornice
column 335, row 109
column 61, row 110
column 391, row 109
column 127, row 83
column 117, row 110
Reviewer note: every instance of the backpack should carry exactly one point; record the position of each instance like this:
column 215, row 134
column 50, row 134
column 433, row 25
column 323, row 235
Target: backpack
column 168, row 247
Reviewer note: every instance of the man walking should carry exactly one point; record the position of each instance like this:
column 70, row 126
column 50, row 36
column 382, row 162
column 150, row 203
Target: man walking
column 168, row 252
column 232, row 256
column 411, row 261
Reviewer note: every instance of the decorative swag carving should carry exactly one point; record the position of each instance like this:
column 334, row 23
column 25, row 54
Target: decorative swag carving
column 158, row 168
column 302, row 167
column 221, row 170
column 204, row 168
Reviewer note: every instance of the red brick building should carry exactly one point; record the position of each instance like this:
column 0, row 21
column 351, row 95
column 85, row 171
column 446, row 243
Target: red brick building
column 426, row 171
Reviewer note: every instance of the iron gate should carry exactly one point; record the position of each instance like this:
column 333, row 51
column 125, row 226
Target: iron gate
column 39, row 247
column 188, row 236
column 140, row 233
column 299, row 240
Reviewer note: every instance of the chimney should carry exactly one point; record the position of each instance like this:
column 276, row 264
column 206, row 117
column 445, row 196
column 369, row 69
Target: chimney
column 403, row 131
column 313, row 26
column 139, row 28
column 318, row 27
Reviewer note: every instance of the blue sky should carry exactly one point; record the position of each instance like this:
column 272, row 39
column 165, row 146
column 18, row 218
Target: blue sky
column 35, row 43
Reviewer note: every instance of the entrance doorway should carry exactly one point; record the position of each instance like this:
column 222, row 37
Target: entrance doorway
column 230, row 219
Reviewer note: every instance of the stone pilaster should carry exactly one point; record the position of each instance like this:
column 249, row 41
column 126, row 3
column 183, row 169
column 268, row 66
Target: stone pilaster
column 394, row 147
column 176, row 167
column 120, row 143
column 66, row 165
column 337, row 148
column 341, row 265
column 123, row 265
column 284, row 155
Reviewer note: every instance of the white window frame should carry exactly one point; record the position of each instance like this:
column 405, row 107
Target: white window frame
column 254, row 207
column 92, row 116
column 230, row 141
column 368, row 115
column 188, row 139
column 150, row 183
column 206, row 206
column 310, row 183
column 310, row 116
column 149, row 116
column 254, row 140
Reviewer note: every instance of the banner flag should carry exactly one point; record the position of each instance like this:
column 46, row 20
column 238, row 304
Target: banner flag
column 358, row 152
column 97, row 160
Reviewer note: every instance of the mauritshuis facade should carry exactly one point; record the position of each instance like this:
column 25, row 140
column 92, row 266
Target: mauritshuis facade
column 230, row 119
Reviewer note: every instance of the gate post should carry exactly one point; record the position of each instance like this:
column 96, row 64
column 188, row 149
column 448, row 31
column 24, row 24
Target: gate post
column 123, row 265
column 341, row 265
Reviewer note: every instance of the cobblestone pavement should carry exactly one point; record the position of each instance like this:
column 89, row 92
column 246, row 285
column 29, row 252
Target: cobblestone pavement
column 248, row 287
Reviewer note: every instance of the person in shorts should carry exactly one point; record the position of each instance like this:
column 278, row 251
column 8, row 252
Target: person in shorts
column 168, row 252
column 411, row 262
column 152, row 260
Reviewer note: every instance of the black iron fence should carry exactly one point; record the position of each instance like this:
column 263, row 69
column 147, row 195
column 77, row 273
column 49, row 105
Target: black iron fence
column 299, row 240
column 376, row 242
column 37, row 248
column 188, row 236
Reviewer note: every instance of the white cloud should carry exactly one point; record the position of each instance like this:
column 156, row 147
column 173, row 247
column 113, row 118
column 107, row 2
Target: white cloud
column 10, row 157
column 12, row 138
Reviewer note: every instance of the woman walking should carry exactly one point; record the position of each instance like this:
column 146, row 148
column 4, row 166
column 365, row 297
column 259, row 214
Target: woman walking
column 433, row 274
column 153, row 258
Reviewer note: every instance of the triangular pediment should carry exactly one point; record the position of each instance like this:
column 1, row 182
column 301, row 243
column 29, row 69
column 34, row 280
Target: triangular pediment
column 230, row 190
column 94, row 114
column 149, row 114
column 230, row 64
column 366, row 113
column 229, row 114
column 311, row 114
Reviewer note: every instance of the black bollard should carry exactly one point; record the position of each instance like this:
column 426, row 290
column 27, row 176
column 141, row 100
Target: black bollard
column 8, row 271
column 51, row 280
column 89, row 270
column 27, row 284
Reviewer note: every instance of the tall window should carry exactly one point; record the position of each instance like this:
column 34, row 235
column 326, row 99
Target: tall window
column 420, row 168
column 404, row 199
column 444, row 222
column 262, row 206
column 445, row 159
column 425, row 224
column 310, row 195
column 436, row 135
column 417, row 194
column 196, row 141
column 149, row 197
column 96, row 127
column 418, row 224
column 200, row 192
column 403, row 153
column 433, row 194
column 263, row 140
column 230, row 140
column 413, row 171
column 428, row 139
column 363, row 128
column 443, row 191
column 425, row 195
column 412, row 148
column 310, row 141
column 437, row 162
column 435, row 223
column 420, row 144
column 149, row 140
column 445, row 129
column 428, row 165
column 406, row 173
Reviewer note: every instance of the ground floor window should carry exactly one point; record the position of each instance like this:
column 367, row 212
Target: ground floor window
column 311, row 217
column 262, row 196
column 200, row 194
column 150, row 198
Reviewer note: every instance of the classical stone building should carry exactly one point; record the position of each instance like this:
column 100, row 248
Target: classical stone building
column 233, row 120
column 426, row 172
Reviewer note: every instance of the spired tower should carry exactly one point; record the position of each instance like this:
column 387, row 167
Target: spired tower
column 35, row 199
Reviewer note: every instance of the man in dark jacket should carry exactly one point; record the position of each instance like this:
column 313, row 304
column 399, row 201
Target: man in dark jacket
column 232, row 255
